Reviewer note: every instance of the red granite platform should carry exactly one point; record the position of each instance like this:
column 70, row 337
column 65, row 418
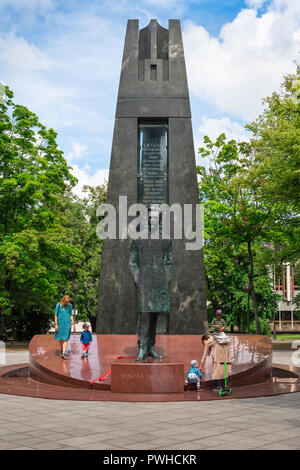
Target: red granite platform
column 48, row 376
column 16, row 380
column 251, row 358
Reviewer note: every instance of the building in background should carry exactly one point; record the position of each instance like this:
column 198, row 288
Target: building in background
column 288, row 286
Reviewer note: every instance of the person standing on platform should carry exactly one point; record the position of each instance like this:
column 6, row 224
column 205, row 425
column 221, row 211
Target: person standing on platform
column 63, row 318
column 218, row 324
column 85, row 339
column 217, row 327
column 220, row 353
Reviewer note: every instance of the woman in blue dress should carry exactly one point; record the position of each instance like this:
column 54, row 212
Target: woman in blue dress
column 63, row 318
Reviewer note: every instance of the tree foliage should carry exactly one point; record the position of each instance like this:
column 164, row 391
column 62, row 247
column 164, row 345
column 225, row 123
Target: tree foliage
column 250, row 191
column 35, row 246
column 80, row 214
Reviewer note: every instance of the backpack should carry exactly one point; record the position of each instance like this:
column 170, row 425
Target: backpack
column 222, row 338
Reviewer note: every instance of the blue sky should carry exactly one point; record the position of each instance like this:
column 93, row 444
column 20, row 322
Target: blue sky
column 62, row 59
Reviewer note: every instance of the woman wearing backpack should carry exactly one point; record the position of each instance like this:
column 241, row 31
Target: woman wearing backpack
column 63, row 318
column 220, row 353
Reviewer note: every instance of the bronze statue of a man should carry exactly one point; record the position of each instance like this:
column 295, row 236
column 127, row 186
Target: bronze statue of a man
column 150, row 267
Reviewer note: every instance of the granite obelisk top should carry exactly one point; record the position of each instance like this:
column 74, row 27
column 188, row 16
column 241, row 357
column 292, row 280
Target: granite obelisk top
column 153, row 79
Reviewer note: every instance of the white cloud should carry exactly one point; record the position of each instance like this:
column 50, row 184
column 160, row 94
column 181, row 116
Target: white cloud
column 64, row 64
column 247, row 61
column 146, row 10
column 86, row 177
column 255, row 3
column 17, row 52
column 26, row 12
column 69, row 78
column 77, row 151
column 163, row 3
column 40, row 5
column 214, row 127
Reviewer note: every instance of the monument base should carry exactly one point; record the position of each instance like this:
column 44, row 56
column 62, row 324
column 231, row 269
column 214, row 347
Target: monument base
column 49, row 376
column 149, row 376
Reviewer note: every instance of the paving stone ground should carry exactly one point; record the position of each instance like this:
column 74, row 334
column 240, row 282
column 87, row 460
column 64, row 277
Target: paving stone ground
column 253, row 423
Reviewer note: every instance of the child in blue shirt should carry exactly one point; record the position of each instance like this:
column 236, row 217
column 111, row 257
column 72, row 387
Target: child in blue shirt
column 194, row 375
column 86, row 339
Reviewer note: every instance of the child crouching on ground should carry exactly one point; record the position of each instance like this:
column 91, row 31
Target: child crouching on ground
column 86, row 339
column 194, row 375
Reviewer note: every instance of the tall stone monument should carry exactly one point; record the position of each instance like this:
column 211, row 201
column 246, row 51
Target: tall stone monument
column 152, row 162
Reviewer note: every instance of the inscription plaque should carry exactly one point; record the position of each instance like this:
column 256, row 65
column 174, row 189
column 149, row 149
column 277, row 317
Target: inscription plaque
column 152, row 177
column 151, row 376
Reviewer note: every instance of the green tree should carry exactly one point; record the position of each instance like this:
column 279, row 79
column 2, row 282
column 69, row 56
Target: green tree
column 81, row 218
column 276, row 146
column 251, row 196
column 236, row 222
column 35, row 249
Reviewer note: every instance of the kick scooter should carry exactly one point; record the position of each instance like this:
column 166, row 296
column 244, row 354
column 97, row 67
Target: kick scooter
column 226, row 390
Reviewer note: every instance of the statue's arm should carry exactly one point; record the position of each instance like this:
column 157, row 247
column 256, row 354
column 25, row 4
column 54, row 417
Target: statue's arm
column 133, row 262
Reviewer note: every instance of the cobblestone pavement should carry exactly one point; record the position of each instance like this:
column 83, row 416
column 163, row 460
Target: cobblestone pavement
column 253, row 423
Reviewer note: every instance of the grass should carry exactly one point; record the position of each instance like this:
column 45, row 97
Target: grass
column 288, row 336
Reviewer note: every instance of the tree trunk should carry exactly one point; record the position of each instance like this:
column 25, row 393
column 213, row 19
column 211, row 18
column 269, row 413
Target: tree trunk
column 2, row 326
column 92, row 318
column 239, row 323
column 93, row 322
column 8, row 286
column 252, row 291
column 75, row 288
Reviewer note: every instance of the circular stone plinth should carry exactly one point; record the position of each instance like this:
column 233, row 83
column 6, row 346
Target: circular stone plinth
column 251, row 357
column 16, row 380
column 49, row 376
